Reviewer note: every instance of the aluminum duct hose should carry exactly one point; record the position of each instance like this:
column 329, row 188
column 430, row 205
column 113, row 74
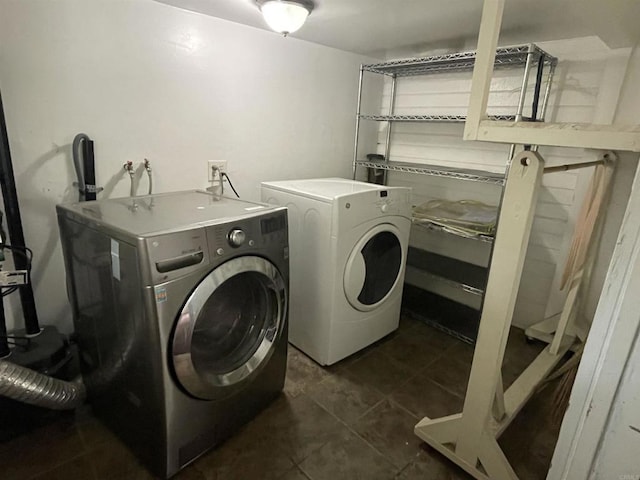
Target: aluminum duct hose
column 28, row 386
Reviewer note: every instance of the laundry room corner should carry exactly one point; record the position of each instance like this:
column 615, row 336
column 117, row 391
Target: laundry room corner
column 319, row 239
column 148, row 80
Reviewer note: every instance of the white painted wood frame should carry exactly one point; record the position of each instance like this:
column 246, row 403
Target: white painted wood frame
column 564, row 323
column 470, row 438
column 478, row 127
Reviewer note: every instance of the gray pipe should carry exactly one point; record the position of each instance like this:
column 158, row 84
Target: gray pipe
column 147, row 167
column 28, row 386
column 75, row 153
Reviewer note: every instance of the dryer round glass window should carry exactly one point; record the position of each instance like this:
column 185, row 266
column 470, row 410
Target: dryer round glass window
column 228, row 327
column 373, row 268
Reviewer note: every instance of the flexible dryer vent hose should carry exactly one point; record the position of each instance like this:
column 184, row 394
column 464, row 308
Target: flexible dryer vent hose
column 28, row 386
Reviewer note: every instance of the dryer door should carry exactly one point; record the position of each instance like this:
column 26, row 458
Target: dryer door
column 374, row 267
column 229, row 327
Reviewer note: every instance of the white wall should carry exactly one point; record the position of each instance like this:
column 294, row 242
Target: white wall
column 597, row 440
column 585, row 89
column 618, row 456
column 148, row 80
column 627, row 112
column 604, row 401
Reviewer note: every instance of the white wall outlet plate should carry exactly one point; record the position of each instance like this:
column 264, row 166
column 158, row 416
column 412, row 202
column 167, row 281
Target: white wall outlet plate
column 220, row 164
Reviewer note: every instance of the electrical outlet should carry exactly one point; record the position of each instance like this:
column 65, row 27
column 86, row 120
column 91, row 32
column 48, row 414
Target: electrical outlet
column 220, row 164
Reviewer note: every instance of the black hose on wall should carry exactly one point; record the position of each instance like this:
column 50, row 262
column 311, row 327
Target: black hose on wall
column 84, row 164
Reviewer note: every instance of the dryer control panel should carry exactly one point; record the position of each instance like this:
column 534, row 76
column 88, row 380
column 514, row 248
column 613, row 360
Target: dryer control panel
column 393, row 201
column 375, row 203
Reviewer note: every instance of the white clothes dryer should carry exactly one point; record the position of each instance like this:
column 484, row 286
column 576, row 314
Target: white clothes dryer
column 348, row 245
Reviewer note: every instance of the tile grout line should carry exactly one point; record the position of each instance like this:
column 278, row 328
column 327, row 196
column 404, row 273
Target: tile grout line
column 386, row 397
column 404, row 409
column 392, row 360
column 351, row 430
column 58, row 465
column 84, row 451
column 417, row 372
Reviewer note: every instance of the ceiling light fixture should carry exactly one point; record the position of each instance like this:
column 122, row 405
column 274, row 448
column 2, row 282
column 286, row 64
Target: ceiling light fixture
column 285, row 16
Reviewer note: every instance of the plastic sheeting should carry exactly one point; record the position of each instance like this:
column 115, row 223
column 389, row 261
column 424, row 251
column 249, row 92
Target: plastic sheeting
column 467, row 218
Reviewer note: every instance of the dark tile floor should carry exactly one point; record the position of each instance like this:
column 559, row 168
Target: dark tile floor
column 351, row 421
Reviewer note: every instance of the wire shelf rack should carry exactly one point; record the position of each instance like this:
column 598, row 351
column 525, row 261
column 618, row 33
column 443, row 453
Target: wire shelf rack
column 506, row 56
column 434, row 227
column 434, row 118
column 437, row 171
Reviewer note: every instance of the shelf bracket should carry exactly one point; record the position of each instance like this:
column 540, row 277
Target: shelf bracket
column 470, row 438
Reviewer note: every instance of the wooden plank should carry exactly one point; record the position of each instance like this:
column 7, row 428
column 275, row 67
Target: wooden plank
column 507, row 263
column 568, row 313
column 605, row 137
column 467, row 467
column 578, row 135
column 494, row 461
column 441, row 430
column 499, row 409
column 483, row 68
column 525, row 385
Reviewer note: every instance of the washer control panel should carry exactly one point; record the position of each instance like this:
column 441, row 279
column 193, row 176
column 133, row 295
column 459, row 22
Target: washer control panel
column 261, row 231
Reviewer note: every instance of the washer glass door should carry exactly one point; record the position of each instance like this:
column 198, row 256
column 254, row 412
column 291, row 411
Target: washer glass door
column 229, row 326
column 374, row 267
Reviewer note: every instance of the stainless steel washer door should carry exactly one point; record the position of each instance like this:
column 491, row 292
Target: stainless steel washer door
column 228, row 327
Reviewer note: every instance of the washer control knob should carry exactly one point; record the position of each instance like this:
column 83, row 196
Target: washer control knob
column 384, row 207
column 220, row 251
column 236, row 237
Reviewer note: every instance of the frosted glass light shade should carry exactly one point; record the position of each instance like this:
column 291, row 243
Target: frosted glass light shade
column 285, row 16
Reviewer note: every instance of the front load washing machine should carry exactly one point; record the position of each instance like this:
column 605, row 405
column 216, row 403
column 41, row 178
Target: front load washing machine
column 348, row 252
column 180, row 307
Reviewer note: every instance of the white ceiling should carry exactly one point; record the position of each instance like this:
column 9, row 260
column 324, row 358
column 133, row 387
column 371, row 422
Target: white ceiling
column 373, row 27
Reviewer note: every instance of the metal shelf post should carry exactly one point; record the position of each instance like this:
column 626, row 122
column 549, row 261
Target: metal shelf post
column 387, row 145
column 357, row 134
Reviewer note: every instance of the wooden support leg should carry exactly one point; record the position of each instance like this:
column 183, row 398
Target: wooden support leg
column 568, row 313
column 493, row 460
column 498, row 403
column 514, row 226
column 471, row 433
column 552, row 330
column 483, row 66
column 544, row 329
column 563, row 323
column 442, row 430
column 525, row 385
